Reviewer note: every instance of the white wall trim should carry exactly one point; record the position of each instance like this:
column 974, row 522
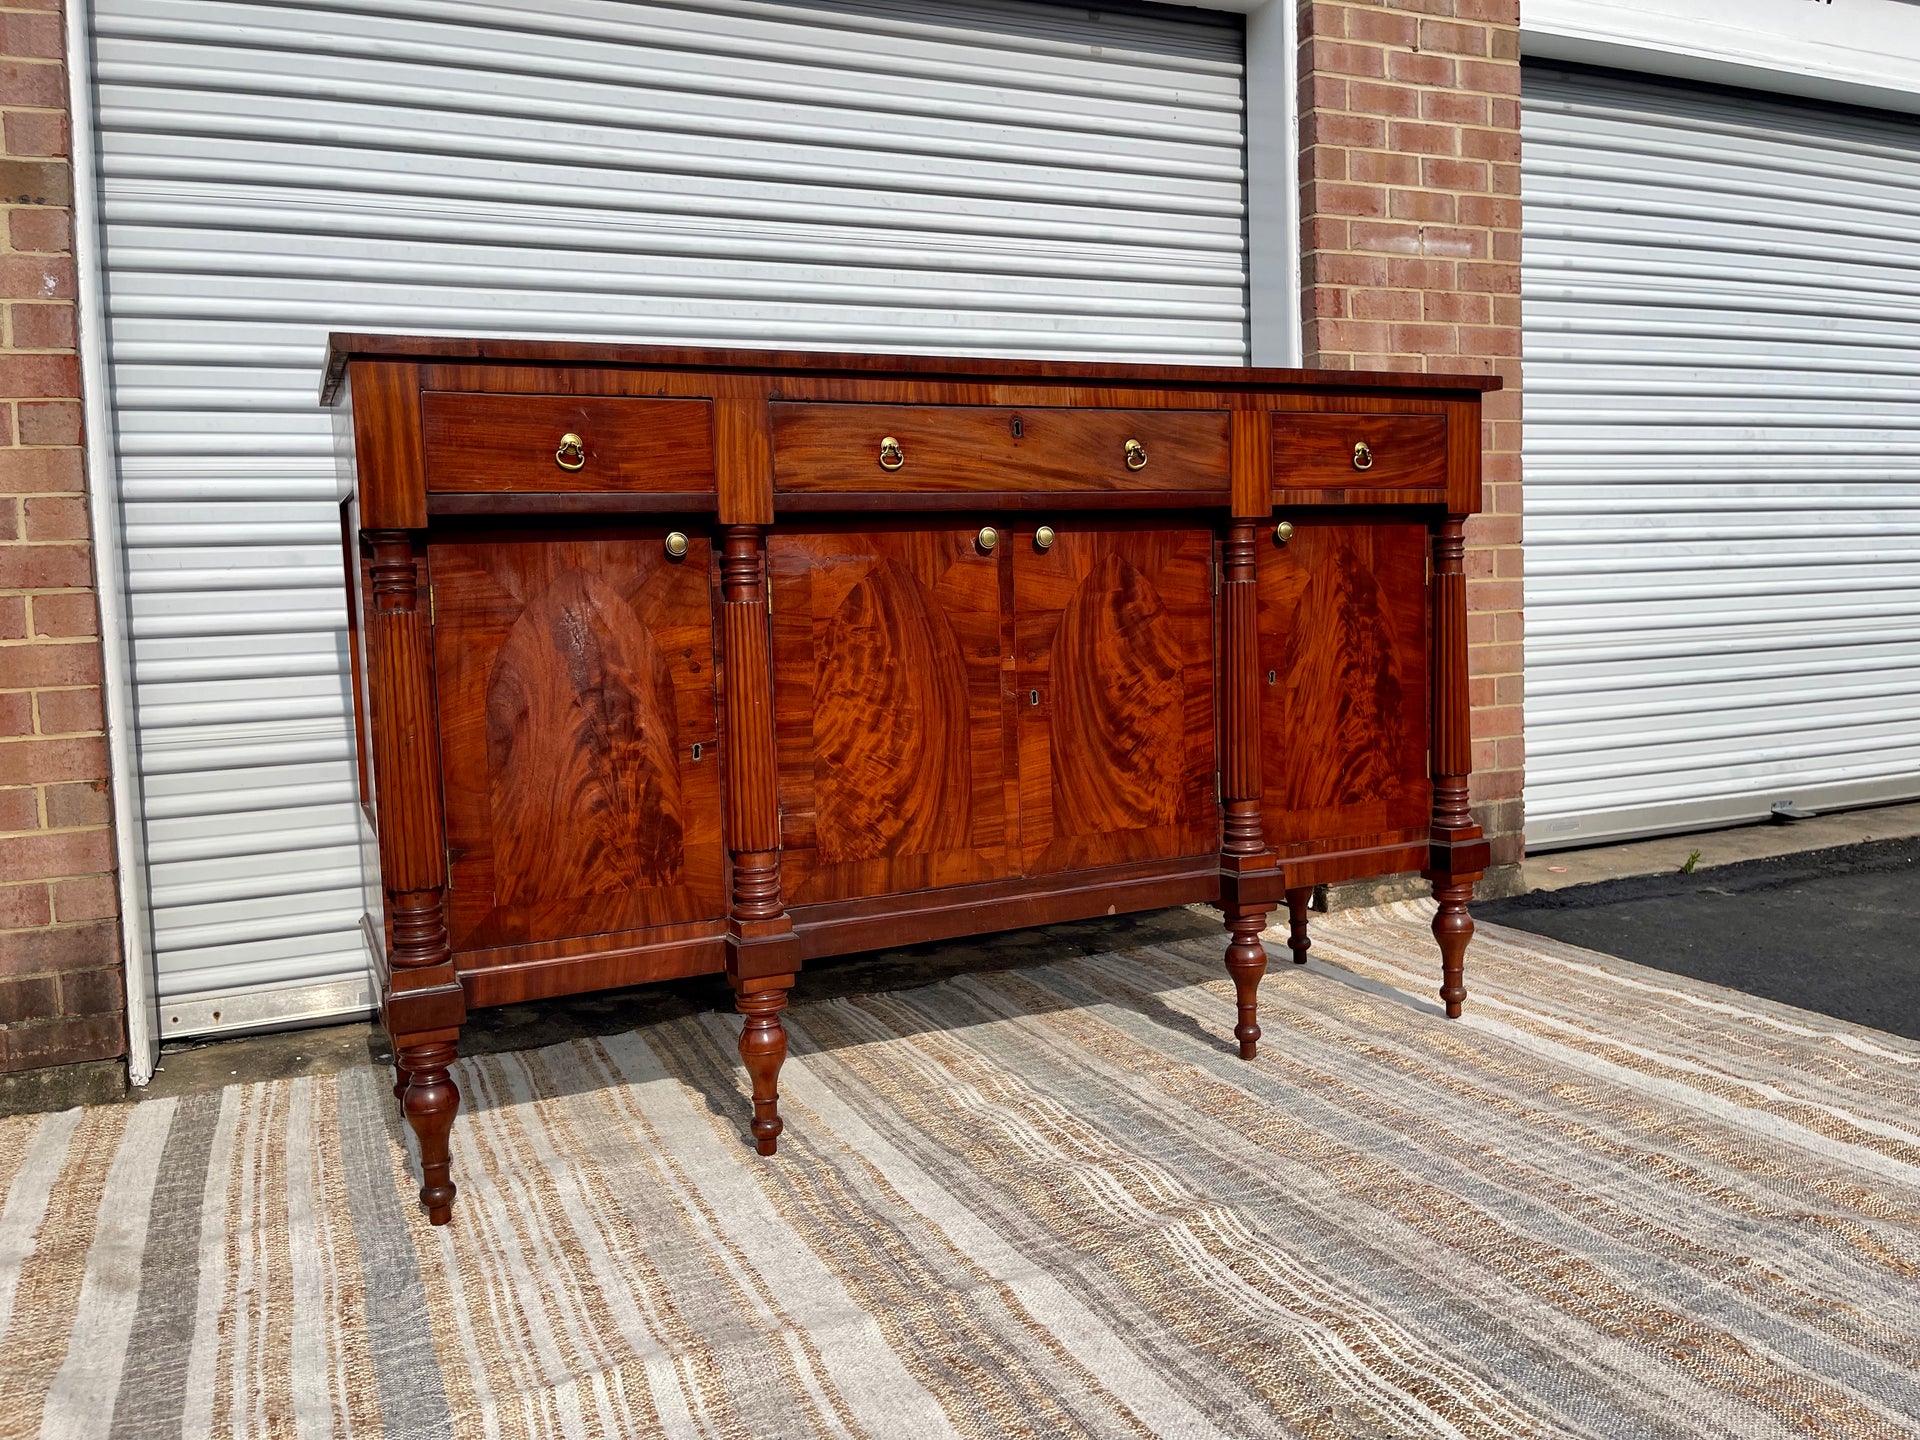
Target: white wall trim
column 1273, row 191
column 109, row 558
column 1855, row 52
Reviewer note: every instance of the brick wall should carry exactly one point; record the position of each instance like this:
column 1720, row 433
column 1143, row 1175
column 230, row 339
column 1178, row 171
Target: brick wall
column 60, row 982
column 1410, row 259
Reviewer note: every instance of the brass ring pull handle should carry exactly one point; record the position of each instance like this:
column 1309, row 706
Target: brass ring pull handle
column 1136, row 455
column 1362, row 455
column 572, row 453
column 1283, row 532
column 890, row 456
column 988, row 537
column 1044, row 537
column 676, row 544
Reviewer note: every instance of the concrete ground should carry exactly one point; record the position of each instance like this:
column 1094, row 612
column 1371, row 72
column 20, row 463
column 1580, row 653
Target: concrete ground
column 1832, row 929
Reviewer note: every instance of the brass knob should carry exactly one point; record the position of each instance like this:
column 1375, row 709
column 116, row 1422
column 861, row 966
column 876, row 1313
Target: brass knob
column 988, row 537
column 572, row 453
column 676, row 544
column 1362, row 455
column 1283, row 532
column 890, row 456
column 1136, row 455
column 1043, row 538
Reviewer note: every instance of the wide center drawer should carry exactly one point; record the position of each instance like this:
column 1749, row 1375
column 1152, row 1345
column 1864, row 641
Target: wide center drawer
column 977, row 449
column 539, row 443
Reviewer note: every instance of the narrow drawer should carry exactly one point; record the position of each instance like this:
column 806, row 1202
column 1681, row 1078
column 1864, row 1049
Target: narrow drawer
column 1347, row 453
column 843, row 448
column 505, row 443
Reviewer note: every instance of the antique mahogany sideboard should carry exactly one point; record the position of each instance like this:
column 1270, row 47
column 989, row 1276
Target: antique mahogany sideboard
column 676, row 661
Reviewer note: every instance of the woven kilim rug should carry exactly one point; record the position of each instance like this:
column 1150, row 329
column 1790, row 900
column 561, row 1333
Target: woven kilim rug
column 1040, row 1202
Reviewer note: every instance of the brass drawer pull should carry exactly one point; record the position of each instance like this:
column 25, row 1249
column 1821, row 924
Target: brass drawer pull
column 1136, row 455
column 1283, row 532
column 676, row 544
column 572, row 453
column 1362, row 455
column 1044, row 537
column 988, row 537
column 890, row 456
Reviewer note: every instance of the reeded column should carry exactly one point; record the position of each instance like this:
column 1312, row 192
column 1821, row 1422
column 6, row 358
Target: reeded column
column 1458, row 854
column 1243, row 849
column 422, row 1002
column 762, row 956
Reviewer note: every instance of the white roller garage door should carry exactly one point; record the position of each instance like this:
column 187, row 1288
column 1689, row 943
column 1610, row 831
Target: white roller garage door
column 1722, row 455
column 970, row 176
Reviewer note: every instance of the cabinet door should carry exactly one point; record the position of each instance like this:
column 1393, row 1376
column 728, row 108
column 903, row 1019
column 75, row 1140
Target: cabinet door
column 1114, row 693
column 889, row 711
column 575, row 684
column 1343, row 651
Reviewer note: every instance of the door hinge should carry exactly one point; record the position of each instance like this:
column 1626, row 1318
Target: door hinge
column 433, row 613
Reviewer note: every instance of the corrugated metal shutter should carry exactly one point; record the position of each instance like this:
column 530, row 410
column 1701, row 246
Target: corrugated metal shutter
column 969, row 176
column 1722, row 455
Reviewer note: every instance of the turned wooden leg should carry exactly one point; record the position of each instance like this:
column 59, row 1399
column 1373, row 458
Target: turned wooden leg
column 1246, row 963
column 430, row 1103
column 1453, row 928
column 1297, row 941
column 763, row 1049
column 400, row 1080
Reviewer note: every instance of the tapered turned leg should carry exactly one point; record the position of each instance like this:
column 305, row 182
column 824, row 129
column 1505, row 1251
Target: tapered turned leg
column 763, row 1049
column 1297, row 941
column 1453, row 928
column 1246, row 963
column 431, row 1101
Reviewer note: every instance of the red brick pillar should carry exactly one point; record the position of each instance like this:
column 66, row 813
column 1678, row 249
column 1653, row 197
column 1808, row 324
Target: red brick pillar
column 60, row 958
column 1410, row 260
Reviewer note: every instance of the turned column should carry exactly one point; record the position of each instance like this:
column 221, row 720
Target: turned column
column 1247, row 874
column 762, row 954
column 1457, row 854
column 421, row 1000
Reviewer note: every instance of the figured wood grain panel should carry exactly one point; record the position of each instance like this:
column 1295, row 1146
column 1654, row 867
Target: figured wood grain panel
column 836, row 448
column 1343, row 633
column 1316, row 452
column 576, row 677
column 889, row 711
column 507, row 443
column 1114, row 693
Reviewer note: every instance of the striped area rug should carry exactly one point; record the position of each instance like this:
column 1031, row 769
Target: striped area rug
column 1044, row 1202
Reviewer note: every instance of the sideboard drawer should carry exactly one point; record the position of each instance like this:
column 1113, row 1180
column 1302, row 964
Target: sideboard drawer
column 1344, row 453
column 504, row 443
column 843, row 449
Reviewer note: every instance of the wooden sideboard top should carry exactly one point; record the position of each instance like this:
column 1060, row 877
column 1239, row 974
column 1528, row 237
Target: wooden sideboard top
column 342, row 347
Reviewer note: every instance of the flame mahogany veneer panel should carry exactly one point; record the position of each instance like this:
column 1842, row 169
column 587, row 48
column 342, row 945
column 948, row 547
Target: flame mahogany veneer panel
column 1343, row 634
column 890, row 711
column 575, row 677
column 1114, row 690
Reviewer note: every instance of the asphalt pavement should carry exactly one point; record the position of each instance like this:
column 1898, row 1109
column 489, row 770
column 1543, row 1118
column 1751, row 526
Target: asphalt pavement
column 1835, row 931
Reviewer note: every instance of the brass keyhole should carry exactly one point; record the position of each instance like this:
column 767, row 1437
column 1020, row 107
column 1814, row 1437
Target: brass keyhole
column 890, row 456
column 572, row 453
column 1033, row 697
